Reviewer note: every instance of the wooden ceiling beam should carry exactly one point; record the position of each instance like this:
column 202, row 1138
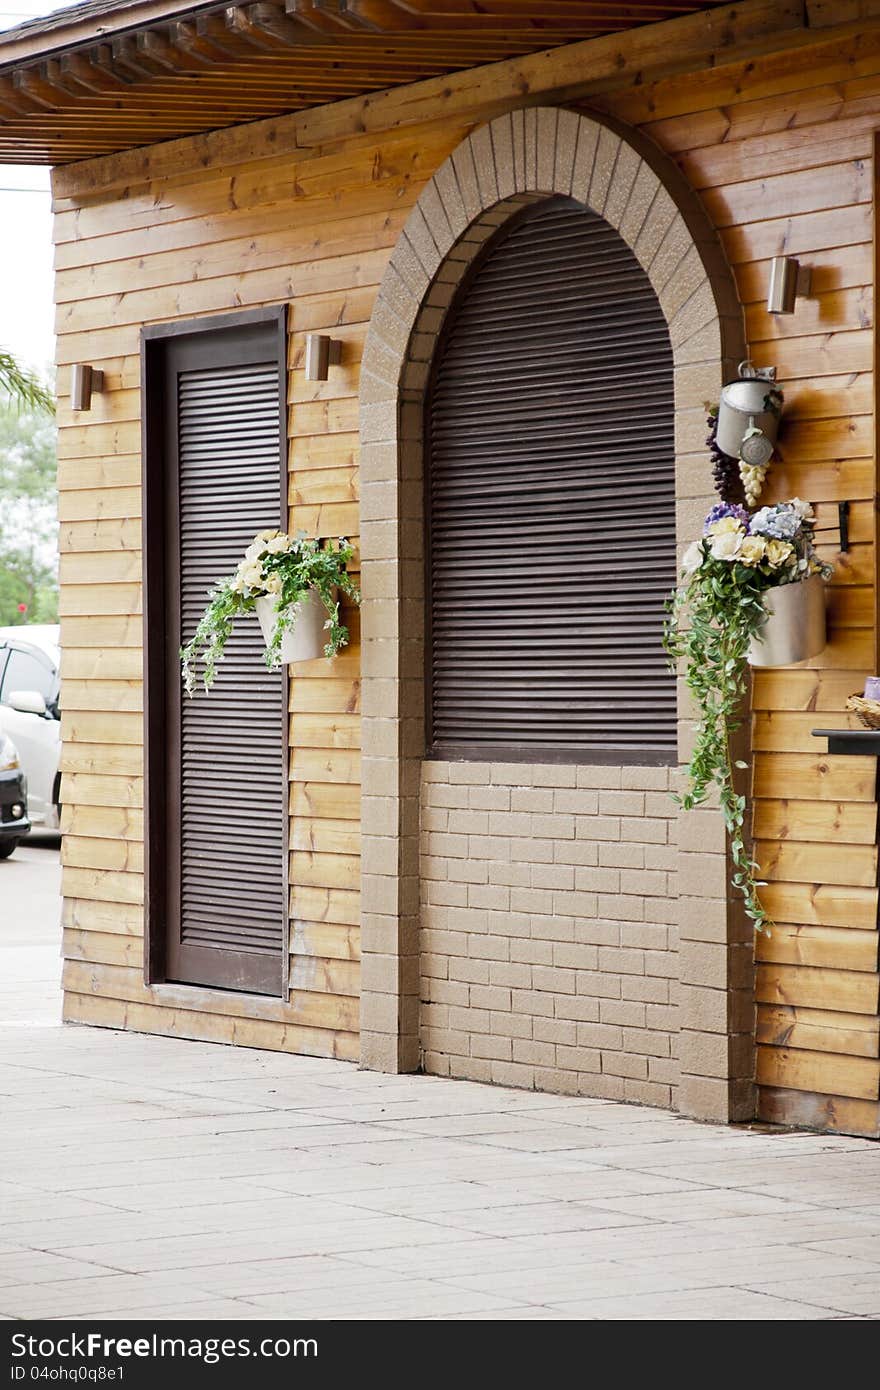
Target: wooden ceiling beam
column 168, row 58
column 186, row 37
column 476, row 10
column 83, row 69
column 393, row 17
column 44, row 94
column 35, row 89
column 383, row 16
column 13, row 103
column 325, row 19
column 267, row 27
column 214, row 28
column 52, row 72
column 129, row 58
column 102, row 58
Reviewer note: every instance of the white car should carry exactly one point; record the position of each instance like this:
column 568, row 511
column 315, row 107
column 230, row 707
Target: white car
column 30, row 660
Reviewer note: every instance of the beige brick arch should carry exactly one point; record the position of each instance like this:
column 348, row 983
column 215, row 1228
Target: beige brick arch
column 518, row 158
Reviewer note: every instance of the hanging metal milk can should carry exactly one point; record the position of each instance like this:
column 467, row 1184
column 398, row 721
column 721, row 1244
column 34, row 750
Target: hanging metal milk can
column 748, row 415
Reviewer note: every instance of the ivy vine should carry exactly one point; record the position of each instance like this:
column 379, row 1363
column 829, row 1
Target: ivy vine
column 710, row 623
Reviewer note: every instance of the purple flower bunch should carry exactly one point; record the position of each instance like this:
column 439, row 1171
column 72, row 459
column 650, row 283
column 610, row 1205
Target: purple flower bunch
column 722, row 510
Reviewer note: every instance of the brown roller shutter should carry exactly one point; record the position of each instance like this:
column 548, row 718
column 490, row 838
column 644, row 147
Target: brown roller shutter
column 224, row 754
column 551, row 501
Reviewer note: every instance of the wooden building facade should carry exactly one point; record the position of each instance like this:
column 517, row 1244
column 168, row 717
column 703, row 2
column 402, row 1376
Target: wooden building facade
column 535, row 920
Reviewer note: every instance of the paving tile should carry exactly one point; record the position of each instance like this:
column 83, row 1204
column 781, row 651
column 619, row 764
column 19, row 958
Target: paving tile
column 378, row 1299
column 244, row 1279
column 176, row 1252
column 44, row 1267
column 698, row 1305
column 46, row 1206
column 148, row 1197
column 865, row 1246
column 532, row 1217
column 207, row 1310
column 88, row 1297
column 847, row 1293
column 699, row 1204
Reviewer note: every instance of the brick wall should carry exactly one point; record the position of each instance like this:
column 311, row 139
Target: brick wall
column 549, row 950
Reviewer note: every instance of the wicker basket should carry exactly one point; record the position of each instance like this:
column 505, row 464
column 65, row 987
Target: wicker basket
column 867, row 710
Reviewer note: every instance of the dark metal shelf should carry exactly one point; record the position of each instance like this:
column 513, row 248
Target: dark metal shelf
column 860, row 743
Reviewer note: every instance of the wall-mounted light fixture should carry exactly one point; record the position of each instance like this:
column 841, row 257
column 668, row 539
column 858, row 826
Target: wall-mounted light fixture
column 322, row 353
column 85, row 381
column 789, row 281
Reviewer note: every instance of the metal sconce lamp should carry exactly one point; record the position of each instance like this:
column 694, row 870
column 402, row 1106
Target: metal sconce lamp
column 322, row 353
column 85, row 381
column 789, row 281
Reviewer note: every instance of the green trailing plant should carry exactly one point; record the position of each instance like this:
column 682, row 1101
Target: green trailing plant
column 716, row 610
column 285, row 569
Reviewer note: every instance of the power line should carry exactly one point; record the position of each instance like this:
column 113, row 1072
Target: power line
column 24, row 190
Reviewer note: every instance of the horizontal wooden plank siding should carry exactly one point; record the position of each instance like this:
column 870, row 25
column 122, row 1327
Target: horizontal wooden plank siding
column 780, row 150
column 320, row 243
column 782, row 155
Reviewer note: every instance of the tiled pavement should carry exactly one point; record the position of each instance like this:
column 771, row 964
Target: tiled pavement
column 153, row 1177
column 149, row 1177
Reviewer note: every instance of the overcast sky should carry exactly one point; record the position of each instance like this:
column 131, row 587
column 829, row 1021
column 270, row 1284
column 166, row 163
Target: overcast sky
column 26, row 239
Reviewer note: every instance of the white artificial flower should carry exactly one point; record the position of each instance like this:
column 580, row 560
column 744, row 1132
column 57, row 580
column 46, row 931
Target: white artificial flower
column 272, row 584
column 751, row 551
column 779, row 553
column 278, row 545
column 251, row 574
column 803, row 509
column 726, row 546
column 267, row 542
column 692, row 558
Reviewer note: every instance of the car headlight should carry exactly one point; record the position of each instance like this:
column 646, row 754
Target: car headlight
column 8, row 754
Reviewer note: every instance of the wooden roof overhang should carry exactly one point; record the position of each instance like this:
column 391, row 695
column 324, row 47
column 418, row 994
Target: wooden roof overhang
column 114, row 75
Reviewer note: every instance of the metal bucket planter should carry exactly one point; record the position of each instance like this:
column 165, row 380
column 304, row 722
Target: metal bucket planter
column 794, row 629
column 306, row 639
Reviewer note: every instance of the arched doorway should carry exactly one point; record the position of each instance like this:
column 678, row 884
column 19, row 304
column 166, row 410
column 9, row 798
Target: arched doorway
column 572, row 1008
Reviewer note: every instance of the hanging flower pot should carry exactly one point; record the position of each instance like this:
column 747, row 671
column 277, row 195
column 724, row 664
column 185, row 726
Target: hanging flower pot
column 293, row 586
column 305, row 638
column 751, row 589
column 794, row 629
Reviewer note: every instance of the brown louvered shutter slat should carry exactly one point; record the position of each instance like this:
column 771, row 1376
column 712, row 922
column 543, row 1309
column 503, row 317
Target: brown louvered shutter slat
column 227, row 763
column 551, row 501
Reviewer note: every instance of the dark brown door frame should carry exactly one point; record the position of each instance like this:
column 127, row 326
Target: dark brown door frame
column 154, row 492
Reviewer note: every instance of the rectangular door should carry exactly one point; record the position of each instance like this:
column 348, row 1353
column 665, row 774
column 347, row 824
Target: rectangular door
column 217, row 820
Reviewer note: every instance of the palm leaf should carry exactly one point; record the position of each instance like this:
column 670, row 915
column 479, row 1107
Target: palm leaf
column 22, row 386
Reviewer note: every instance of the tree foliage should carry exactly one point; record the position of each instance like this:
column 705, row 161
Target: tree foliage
column 28, row 525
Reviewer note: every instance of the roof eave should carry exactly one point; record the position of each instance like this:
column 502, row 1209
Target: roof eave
column 38, row 43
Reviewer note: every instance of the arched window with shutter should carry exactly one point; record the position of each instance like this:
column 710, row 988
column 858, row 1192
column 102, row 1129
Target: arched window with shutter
column 551, row 502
